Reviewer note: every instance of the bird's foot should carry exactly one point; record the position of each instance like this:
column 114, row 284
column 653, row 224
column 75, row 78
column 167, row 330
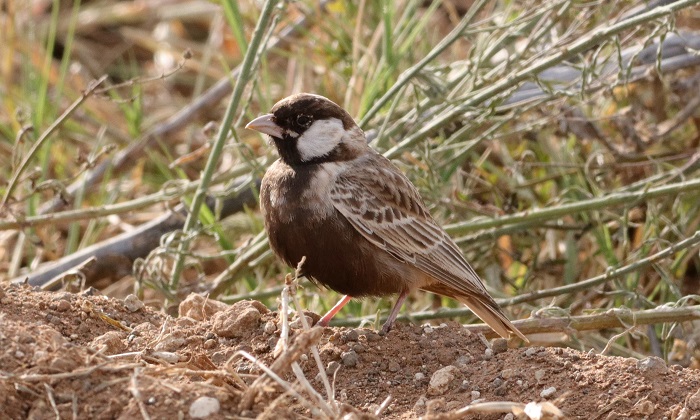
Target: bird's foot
column 389, row 324
column 386, row 327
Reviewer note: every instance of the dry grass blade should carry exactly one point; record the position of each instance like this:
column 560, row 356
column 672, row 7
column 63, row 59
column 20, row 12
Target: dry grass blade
column 134, row 389
column 281, row 366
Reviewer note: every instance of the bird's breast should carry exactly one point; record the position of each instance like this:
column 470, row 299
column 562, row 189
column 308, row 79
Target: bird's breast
column 301, row 221
column 298, row 193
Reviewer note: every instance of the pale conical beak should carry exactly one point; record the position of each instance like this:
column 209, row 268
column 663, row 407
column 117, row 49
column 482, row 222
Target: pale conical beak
column 264, row 124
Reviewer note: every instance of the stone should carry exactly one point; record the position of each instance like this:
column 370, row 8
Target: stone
column 441, row 380
column 200, row 308
column 204, row 407
column 238, row 319
column 133, row 304
column 109, row 343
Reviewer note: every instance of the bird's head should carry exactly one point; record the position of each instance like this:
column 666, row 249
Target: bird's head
column 311, row 129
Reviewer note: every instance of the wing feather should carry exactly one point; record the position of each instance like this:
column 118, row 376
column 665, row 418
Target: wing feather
column 383, row 205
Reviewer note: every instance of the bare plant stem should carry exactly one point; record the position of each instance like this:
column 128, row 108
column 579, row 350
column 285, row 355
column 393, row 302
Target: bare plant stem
column 614, row 199
column 224, row 280
column 556, row 291
column 409, row 74
column 611, row 273
column 208, row 173
column 595, row 37
column 613, row 318
column 170, row 191
column 46, row 134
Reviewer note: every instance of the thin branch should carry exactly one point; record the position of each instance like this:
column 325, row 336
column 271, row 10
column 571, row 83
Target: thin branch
column 556, row 291
column 89, row 91
column 505, row 84
column 255, row 48
column 629, row 198
column 213, row 95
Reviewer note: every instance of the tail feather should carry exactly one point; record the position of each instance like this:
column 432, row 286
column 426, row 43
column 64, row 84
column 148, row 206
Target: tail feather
column 492, row 315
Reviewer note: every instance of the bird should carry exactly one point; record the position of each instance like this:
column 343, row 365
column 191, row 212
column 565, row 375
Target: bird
column 359, row 221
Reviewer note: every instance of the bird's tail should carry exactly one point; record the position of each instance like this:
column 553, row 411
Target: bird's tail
column 491, row 314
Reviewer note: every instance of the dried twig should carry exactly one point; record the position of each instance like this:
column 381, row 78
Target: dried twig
column 299, row 346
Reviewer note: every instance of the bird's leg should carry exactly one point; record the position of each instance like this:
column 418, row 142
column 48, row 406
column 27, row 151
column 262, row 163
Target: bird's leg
column 394, row 312
column 334, row 310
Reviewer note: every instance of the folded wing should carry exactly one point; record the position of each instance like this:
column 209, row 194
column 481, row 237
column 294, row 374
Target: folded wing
column 383, row 205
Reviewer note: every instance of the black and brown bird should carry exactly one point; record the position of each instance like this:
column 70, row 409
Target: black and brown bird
column 360, row 223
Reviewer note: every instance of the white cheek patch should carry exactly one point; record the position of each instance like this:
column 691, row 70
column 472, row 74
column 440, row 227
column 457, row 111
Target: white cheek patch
column 320, row 138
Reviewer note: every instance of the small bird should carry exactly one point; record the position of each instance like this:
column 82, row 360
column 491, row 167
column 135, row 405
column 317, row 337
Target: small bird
column 358, row 220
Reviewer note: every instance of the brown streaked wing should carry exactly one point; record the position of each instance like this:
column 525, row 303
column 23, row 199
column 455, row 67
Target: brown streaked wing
column 383, row 205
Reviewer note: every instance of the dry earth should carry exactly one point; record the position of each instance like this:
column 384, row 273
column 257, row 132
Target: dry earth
column 63, row 355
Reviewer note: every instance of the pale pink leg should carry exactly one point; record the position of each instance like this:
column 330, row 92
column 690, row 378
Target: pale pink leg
column 394, row 312
column 334, row 310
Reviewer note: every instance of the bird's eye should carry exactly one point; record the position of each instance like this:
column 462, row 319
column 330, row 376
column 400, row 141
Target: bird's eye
column 303, row 120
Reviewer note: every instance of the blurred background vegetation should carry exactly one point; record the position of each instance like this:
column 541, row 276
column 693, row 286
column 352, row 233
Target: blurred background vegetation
column 556, row 141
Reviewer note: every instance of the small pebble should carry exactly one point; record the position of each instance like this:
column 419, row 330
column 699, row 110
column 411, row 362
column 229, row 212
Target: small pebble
column 441, row 379
column 204, row 407
column 428, row 329
column 351, row 335
column 349, row 358
column 298, row 323
column 209, row 344
column 166, row 356
column 200, row 308
column 332, row 368
column 475, row 395
column 394, row 366
column 548, row 392
column 110, row 343
column 358, row 348
column 499, row 345
column 238, row 320
column 531, row 351
column 64, row 296
column 464, row 360
column 419, row 376
column 63, row 306
column 652, row 364
column 507, row 373
column 185, row 321
column 644, row 407
column 270, row 328
column 170, row 342
column 488, row 354
column 539, row 374
column 132, row 303
column 420, row 404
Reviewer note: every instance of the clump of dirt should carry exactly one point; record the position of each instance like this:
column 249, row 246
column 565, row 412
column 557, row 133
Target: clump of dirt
column 85, row 356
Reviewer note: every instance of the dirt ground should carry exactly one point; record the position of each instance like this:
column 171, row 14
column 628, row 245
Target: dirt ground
column 66, row 355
